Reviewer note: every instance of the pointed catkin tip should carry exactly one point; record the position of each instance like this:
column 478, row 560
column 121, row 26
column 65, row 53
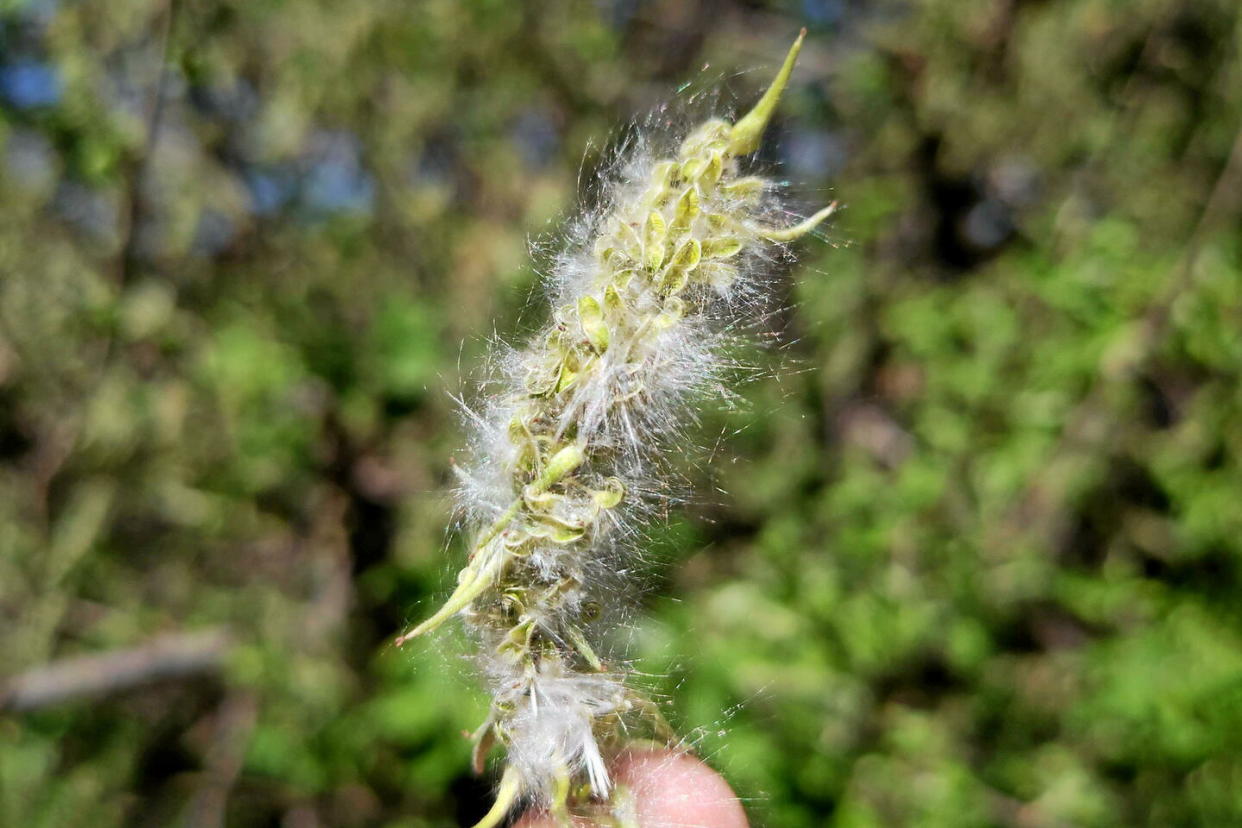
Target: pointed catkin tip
column 746, row 134
column 472, row 582
column 788, row 234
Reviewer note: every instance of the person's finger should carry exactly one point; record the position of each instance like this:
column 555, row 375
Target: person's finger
column 670, row 790
column 676, row 789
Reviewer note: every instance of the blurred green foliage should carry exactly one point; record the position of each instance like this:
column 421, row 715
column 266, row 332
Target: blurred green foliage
column 979, row 554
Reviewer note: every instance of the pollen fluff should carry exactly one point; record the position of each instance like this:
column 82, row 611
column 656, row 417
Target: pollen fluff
column 569, row 455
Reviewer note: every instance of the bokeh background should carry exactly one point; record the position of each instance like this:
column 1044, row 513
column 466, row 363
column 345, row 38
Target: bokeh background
column 970, row 555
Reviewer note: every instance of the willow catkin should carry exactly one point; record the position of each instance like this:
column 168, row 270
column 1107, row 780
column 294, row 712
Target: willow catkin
column 570, row 456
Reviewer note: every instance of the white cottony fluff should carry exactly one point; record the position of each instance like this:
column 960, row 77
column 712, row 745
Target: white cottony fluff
column 558, row 722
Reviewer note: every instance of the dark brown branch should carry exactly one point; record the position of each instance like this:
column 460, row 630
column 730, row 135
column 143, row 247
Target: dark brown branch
column 88, row 676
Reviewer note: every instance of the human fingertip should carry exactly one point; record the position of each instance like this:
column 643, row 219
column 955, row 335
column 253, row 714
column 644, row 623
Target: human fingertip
column 667, row 789
column 676, row 789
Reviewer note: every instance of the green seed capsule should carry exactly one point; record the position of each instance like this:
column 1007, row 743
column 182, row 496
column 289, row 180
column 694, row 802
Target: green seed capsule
column 677, row 275
column 725, row 248
column 687, row 210
column 674, row 310
column 591, row 316
column 614, row 305
column 692, row 168
column 746, row 189
column 653, row 240
column 712, row 172
column 610, row 496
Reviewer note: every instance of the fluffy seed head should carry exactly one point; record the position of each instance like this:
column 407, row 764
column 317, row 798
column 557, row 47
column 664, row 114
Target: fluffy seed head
column 569, row 455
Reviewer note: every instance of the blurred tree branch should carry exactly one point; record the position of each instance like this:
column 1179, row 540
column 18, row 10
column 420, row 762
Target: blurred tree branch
column 172, row 656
